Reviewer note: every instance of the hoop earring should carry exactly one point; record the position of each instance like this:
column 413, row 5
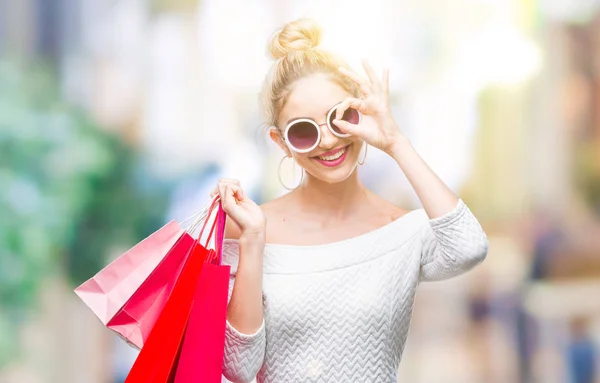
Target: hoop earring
column 281, row 179
column 365, row 156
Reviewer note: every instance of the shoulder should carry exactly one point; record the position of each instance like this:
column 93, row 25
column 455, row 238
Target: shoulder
column 282, row 218
column 396, row 212
column 277, row 207
column 274, row 210
column 385, row 209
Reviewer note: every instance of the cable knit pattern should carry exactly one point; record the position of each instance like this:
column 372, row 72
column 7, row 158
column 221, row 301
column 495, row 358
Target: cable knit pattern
column 340, row 312
column 244, row 353
column 452, row 244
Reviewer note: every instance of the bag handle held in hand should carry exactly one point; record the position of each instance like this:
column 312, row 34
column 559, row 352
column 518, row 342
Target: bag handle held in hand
column 215, row 203
column 201, row 216
column 218, row 223
column 221, row 223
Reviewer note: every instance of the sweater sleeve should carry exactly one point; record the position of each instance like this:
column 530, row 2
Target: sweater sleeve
column 452, row 244
column 244, row 353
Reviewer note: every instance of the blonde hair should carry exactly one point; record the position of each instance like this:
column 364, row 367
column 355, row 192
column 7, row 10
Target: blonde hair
column 296, row 53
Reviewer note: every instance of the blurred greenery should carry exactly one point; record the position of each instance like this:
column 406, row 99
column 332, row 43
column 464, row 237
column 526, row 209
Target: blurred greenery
column 72, row 193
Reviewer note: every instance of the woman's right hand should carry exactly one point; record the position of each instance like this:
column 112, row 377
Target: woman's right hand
column 245, row 213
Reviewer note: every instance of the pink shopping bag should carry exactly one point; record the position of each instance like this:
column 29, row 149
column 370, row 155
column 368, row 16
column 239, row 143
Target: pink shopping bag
column 135, row 319
column 107, row 291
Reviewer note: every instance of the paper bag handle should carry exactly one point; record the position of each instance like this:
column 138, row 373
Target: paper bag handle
column 221, row 223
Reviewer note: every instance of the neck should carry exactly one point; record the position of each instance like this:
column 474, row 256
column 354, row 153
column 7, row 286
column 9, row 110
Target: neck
column 333, row 199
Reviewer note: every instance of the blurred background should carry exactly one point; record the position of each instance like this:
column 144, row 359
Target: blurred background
column 119, row 115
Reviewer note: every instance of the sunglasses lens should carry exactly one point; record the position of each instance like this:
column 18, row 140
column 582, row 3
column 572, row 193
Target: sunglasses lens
column 303, row 135
column 350, row 115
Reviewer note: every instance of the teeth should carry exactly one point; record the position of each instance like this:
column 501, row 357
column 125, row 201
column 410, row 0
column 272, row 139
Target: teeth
column 333, row 157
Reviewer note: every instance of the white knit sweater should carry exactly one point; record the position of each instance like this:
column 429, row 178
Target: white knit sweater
column 340, row 312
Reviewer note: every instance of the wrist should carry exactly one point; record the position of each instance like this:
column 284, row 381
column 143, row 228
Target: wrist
column 390, row 129
column 253, row 238
column 252, row 248
column 398, row 146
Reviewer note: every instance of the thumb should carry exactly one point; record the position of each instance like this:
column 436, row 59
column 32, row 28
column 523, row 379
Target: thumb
column 347, row 127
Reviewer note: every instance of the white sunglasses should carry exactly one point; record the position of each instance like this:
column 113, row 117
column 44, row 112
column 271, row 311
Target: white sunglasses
column 304, row 134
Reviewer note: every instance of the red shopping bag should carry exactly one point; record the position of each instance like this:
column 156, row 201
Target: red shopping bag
column 158, row 358
column 201, row 354
column 129, row 293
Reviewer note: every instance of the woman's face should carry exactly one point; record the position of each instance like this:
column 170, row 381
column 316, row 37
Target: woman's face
column 312, row 97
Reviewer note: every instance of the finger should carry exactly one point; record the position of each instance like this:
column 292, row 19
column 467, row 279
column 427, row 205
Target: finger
column 362, row 82
column 342, row 107
column 350, row 102
column 375, row 82
column 386, row 81
column 238, row 192
column 233, row 194
column 216, row 190
column 232, row 204
column 347, row 127
column 228, row 181
column 221, row 188
column 227, row 200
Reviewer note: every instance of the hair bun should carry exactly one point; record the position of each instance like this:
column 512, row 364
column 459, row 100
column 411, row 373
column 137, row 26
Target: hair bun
column 299, row 35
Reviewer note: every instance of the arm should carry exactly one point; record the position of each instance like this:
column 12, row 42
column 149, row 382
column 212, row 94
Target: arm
column 382, row 132
column 435, row 196
column 453, row 242
column 245, row 330
column 245, row 310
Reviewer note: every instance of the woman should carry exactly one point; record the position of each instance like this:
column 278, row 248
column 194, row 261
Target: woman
column 324, row 277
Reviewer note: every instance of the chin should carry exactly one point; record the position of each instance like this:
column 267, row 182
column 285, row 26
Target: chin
column 334, row 179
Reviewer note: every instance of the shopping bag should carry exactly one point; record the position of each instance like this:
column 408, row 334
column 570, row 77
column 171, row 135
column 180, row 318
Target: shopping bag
column 201, row 355
column 158, row 358
column 109, row 291
column 134, row 321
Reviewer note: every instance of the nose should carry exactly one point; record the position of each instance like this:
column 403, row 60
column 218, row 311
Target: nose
column 328, row 139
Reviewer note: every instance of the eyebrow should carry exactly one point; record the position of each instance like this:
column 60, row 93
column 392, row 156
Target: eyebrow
column 310, row 118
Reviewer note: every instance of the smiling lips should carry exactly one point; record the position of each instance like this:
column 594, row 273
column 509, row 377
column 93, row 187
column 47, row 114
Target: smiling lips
column 333, row 157
column 332, row 154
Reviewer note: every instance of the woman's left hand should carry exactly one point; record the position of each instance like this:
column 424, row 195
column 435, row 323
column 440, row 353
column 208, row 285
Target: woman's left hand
column 378, row 127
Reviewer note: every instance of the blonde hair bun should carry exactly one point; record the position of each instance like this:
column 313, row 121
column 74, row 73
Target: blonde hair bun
column 299, row 35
